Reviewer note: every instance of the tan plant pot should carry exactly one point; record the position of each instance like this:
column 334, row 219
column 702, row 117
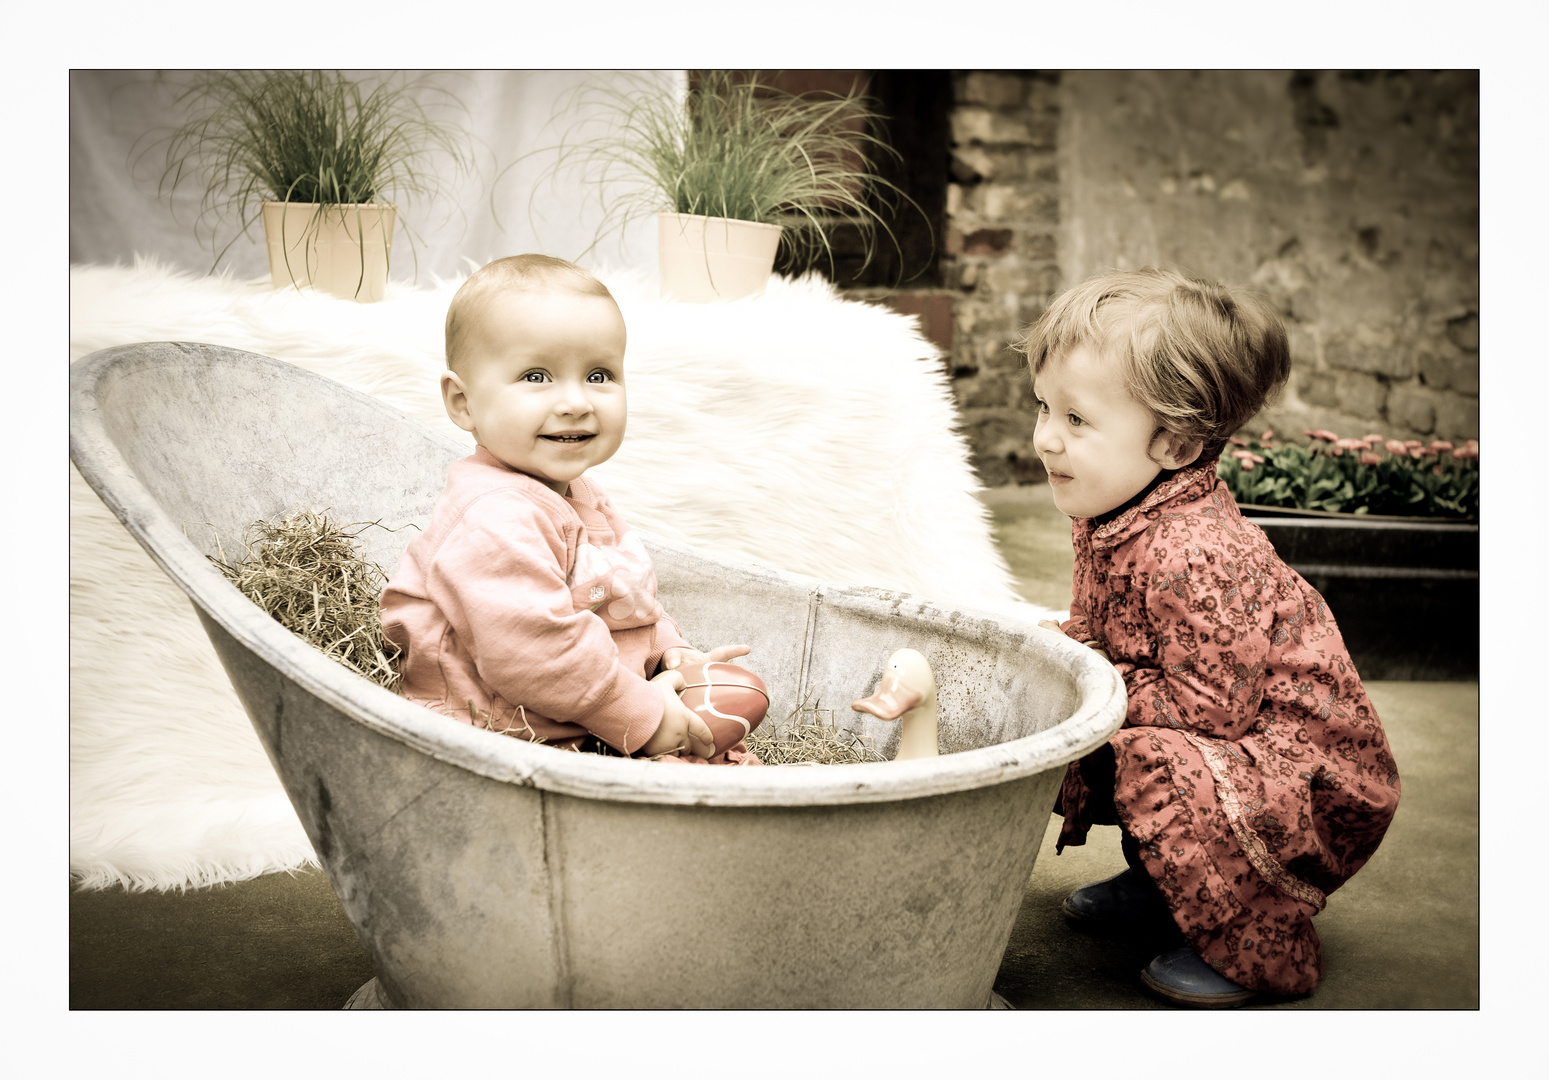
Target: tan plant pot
column 340, row 250
column 703, row 259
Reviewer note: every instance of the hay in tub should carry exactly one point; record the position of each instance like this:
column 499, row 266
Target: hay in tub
column 819, row 741
column 307, row 573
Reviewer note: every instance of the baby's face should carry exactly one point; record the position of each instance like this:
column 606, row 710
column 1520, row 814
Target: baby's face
column 542, row 383
column 1094, row 439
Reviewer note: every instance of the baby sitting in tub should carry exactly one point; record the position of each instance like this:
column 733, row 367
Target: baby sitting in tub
column 527, row 606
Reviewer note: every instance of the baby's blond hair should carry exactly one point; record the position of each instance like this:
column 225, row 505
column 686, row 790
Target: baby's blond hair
column 1202, row 356
column 531, row 272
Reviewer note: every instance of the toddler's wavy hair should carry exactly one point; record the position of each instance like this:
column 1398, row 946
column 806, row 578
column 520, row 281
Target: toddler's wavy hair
column 1203, row 357
column 532, row 272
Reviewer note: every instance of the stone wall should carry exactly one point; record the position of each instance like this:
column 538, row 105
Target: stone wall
column 1350, row 199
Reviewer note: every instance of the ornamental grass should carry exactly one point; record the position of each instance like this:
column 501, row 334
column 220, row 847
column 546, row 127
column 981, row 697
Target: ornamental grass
column 1369, row 475
column 308, row 137
column 733, row 147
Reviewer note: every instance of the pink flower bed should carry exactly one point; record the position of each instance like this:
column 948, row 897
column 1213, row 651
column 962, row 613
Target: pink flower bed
column 1369, row 475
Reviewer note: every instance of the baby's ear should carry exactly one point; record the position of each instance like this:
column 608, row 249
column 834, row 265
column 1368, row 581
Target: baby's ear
column 455, row 398
column 1177, row 451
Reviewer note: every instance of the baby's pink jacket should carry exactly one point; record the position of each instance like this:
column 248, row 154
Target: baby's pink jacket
column 524, row 611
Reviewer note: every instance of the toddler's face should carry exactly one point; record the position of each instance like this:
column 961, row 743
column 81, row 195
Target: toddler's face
column 542, row 383
column 1094, row 439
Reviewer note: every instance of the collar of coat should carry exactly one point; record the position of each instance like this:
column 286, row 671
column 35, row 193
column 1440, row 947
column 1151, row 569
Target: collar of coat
column 1194, row 483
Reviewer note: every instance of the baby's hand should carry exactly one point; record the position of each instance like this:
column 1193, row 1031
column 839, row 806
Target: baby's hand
column 681, row 728
column 1050, row 624
column 677, row 656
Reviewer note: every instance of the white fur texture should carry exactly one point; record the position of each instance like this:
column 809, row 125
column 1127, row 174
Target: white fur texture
column 797, row 430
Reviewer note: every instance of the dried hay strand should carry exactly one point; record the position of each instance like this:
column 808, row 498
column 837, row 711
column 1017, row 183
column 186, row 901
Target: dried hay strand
column 814, row 743
column 307, row 574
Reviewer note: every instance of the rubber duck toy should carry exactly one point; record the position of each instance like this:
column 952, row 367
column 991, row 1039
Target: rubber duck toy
column 906, row 692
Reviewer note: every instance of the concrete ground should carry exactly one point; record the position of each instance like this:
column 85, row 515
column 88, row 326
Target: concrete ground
column 1403, row 934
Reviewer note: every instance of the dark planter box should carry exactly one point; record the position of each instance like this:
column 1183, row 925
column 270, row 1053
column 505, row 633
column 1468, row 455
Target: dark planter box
column 1405, row 591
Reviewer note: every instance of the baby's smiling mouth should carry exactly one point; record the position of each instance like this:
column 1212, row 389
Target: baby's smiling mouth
column 569, row 436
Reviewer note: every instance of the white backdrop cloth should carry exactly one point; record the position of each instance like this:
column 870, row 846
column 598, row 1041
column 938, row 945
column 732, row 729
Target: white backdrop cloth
column 797, row 430
column 119, row 121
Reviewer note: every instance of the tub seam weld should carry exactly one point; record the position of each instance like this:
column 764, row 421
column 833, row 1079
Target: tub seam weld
column 552, row 867
column 814, row 599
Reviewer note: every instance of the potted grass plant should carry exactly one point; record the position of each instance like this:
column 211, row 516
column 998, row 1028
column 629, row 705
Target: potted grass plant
column 319, row 158
column 1386, row 530
column 733, row 170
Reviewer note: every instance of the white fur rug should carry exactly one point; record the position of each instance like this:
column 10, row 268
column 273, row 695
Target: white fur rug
column 797, row 430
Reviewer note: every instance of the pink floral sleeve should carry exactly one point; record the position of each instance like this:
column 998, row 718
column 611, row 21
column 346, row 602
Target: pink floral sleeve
column 1200, row 664
column 1077, row 627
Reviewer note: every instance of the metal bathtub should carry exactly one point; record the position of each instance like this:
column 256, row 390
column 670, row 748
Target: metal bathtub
column 484, row 871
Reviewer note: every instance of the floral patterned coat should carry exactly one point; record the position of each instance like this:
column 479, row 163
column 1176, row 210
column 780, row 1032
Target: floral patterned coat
column 1251, row 768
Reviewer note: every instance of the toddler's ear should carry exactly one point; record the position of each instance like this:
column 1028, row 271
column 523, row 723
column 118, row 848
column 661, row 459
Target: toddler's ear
column 1178, row 451
column 455, row 398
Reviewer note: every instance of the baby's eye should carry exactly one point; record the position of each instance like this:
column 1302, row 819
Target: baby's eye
column 1043, row 406
column 599, row 376
column 536, row 376
column 1076, row 421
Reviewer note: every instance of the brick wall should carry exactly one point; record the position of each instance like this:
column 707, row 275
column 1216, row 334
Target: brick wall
column 999, row 259
column 1001, row 247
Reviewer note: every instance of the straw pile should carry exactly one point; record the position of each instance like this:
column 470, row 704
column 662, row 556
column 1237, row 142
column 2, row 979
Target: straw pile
column 814, row 742
column 308, row 574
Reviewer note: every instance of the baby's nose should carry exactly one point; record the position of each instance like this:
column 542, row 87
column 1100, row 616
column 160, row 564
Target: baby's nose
column 572, row 400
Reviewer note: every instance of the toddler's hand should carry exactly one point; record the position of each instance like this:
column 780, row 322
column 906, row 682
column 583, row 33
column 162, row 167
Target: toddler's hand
column 1050, row 624
column 681, row 728
column 677, row 656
